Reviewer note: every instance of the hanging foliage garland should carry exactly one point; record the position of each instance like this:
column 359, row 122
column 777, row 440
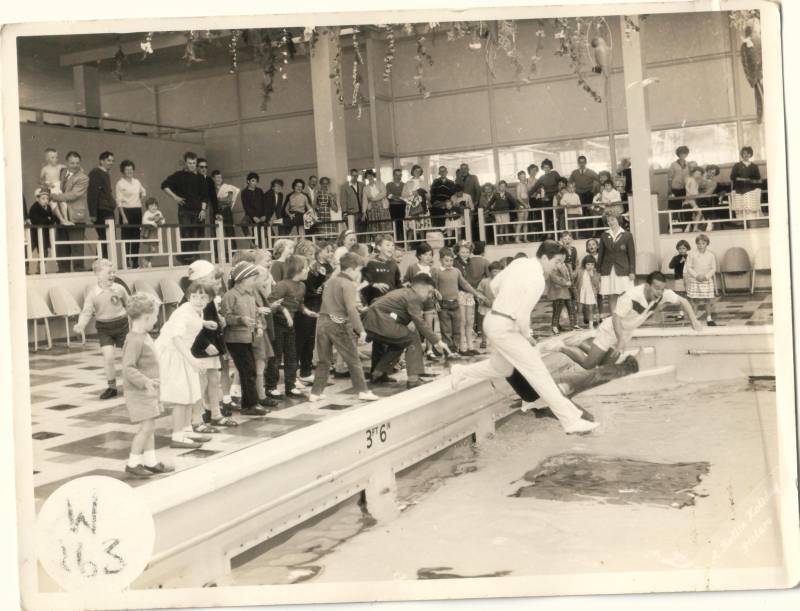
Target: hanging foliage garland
column 147, row 46
column 422, row 57
column 533, row 67
column 190, row 51
column 311, row 34
column 507, row 41
column 391, row 49
column 264, row 56
column 571, row 37
column 336, row 69
column 358, row 60
column 119, row 64
column 748, row 23
column 233, row 51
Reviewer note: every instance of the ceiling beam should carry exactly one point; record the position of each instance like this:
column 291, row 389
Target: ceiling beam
column 128, row 48
column 159, row 41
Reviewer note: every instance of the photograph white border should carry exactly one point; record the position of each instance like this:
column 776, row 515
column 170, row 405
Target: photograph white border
column 464, row 588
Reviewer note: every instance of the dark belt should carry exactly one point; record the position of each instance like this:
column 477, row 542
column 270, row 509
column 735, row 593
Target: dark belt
column 503, row 315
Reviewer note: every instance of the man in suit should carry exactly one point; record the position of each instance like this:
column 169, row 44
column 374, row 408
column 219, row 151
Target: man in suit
column 213, row 203
column 387, row 325
column 75, row 208
column 351, row 198
column 274, row 202
column 442, row 189
column 587, row 185
column 472, row 186
column 311, row 189
column 100, row 197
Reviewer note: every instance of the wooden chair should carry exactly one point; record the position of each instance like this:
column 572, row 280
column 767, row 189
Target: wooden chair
column 64, row 304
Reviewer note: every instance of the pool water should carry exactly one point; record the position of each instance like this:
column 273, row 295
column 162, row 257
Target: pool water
column 680, row 476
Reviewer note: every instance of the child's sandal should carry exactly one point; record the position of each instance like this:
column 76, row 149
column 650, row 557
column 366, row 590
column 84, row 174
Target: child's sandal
column 204, row 429
column 224, row 421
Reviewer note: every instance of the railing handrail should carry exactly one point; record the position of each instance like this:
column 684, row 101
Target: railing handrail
column 80, row 115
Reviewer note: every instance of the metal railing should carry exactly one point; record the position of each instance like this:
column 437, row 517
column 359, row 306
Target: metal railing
column 131, row 127
column 715, row 217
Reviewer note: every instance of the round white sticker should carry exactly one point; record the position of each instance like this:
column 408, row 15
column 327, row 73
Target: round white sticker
column 94, row 533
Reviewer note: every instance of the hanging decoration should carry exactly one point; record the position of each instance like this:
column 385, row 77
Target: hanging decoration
column 311, row 35
column 571, row 36
column 630, row 27
column 422, row 56
column 147, row 46
column 408, row 29
column 457, row 29
column 749, row 25
column 264, row 55
column 233, row 51
column 358, row 60
column 190, row 51
column 600, row 53
column 533, row 67
column 507, row 41
column 288, row 51
column 119, row 64
column 477, row 34
column 391, row 49
column 336, row 69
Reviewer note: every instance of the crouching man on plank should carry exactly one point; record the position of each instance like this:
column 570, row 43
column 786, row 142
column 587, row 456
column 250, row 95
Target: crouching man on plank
column 634, row 307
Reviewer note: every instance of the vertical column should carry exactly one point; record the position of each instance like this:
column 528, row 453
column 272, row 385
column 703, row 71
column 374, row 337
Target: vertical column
column 643, row 208
column 86, row 85
column 373, row 49
column 329, row 127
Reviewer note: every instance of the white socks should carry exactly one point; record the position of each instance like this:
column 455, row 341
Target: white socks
column 134, row 460
column 149, row 457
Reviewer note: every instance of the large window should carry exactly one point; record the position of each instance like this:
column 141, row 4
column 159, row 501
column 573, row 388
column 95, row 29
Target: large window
column 753, row 135
column 707, row 144
column 481, row 164
column 563, row 154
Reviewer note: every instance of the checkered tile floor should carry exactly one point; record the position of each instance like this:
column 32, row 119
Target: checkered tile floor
column 76, row 434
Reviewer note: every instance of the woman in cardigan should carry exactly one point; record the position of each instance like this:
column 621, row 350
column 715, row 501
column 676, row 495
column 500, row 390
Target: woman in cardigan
column 746, row 185
column 616, row 259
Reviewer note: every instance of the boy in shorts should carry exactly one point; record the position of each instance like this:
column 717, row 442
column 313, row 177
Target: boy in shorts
column 106, row 302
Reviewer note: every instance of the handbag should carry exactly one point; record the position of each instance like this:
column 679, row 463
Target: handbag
column 309, row 219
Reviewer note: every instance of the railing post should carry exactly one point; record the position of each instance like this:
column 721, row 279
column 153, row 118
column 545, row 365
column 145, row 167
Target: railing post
column 481, row 224
column 169, row 247
column 111, row 245
column 219, row 228
column 351, row 222
column 467, row 225
column 39, row 117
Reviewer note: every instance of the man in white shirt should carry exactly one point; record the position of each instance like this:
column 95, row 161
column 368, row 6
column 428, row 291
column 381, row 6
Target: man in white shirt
column 517, row 290
column 633, row 308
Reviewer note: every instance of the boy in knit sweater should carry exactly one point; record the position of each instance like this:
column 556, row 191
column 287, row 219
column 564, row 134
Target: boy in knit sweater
column 448, row 281
column 381, row 272
column 338, row 324
column 106, row 303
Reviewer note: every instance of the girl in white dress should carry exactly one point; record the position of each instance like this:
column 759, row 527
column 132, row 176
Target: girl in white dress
column 180, row 371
